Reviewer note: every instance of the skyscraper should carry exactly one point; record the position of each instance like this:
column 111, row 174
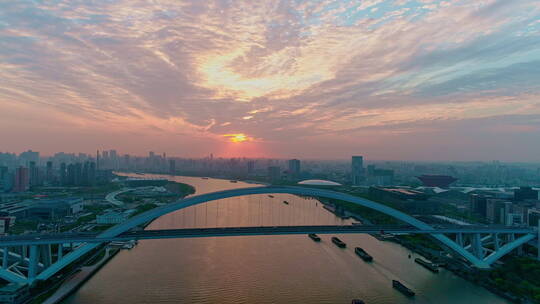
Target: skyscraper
column 28, row 156
column 114, row 159
column 357, row 170
column 5, row 183
column 294, row 168
column 22, row 180
column 97, row 159
column 49, row 172
column 172, row 166
column 274, row 173
column 250, row 167
column 63, row 174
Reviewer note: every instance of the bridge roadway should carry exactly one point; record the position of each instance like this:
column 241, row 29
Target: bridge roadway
column 88, row 237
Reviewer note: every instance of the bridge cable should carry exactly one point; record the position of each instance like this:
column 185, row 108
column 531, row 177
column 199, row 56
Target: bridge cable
column 195, row 217
column 184, row 218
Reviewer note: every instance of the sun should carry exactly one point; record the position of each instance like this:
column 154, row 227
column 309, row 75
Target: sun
column 238, row 137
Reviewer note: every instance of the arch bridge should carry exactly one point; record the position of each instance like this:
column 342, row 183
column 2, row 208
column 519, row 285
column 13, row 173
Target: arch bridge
column 25, row 259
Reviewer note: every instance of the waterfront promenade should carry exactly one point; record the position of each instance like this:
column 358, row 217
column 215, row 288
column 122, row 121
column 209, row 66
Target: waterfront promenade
column 77, row 279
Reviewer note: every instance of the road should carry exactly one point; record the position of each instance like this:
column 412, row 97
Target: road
column 91, row 237
column 111, row 197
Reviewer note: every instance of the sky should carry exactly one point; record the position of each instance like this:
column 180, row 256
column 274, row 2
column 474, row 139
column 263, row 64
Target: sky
column 387, row 79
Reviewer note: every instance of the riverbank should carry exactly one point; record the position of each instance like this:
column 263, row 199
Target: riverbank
column 74, row 282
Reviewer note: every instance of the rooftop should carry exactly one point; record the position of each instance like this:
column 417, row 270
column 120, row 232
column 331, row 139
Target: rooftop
column 318, row 182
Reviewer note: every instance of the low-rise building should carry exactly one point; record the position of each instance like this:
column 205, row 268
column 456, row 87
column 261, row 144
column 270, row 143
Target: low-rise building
column 408, row 200
column 111, row 218
column 55, row 208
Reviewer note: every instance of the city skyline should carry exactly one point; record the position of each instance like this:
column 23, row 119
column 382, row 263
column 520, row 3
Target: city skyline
column 400, row 80
column 120, row 154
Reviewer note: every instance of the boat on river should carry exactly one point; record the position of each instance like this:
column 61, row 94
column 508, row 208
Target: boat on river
column 338, row 242
column 429, row 266
column 363, row 254
column 402, row 288
column 314, row 237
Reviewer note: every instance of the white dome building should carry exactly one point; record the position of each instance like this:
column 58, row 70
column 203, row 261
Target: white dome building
column 319, row 182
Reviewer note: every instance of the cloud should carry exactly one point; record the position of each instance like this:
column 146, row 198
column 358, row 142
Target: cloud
column 279, row 71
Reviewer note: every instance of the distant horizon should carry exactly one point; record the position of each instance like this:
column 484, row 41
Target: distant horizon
column 366, row 158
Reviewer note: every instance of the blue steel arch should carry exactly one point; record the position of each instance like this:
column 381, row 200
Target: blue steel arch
column 208, row 197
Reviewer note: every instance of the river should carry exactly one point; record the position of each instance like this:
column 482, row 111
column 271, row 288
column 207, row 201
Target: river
column 265, row 269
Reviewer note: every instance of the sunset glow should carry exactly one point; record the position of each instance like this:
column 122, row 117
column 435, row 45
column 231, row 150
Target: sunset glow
column 320, row 78
column 238, row 138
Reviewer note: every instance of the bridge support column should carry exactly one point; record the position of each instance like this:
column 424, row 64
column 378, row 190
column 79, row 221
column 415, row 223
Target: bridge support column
column 496, row 242
column 60, row 251
column 477, row 246
column 23, row 254
column 5, row 257
column 32, row 265
column 459, row 239
column 45, row 254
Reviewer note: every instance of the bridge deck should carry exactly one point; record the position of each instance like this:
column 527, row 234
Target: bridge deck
column 83, row 237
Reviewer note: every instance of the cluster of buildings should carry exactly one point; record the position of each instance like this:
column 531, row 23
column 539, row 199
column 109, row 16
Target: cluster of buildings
column 522, row 207
column 26, row 171
column 38, row 210
column 370, row 175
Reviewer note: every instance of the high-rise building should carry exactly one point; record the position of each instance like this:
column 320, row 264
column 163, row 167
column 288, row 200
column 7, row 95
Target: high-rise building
column 294, row 168
column 3, row 172
column 496, row 210
column 371, row 170
column 533, row 217
column 357, row 170
column 478, row 205
column 127, row 162
column 274, row 173
column 97, row 159
column 114, row 159
column 49, row 172
column 34, row 174
column 525, row 193
column 92, row 173
column 29, row 156
column 5, row 177
column 172, row 166
column 22, row 180
column 63, row 174
column 250, row 167
column 382, row 177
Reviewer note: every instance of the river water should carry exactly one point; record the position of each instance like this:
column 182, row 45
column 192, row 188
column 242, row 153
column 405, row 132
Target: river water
column 265, row 269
